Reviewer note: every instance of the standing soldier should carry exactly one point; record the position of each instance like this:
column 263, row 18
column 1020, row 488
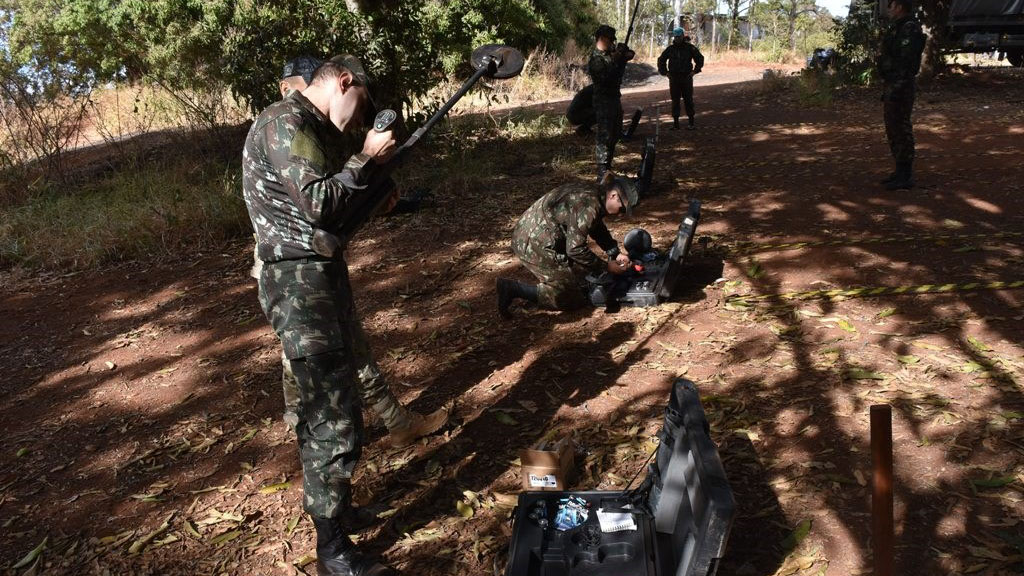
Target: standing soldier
column 681, row 61
column 898, row 65
column 403, row 425
column 298, row 179
column 606, row 67
column 551, row 240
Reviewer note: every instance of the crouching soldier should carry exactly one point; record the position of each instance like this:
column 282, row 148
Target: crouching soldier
column 551, row 241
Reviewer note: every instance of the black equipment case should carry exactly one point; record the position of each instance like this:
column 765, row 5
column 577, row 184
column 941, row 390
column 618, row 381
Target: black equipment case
column 683, row 512
column 658, row 280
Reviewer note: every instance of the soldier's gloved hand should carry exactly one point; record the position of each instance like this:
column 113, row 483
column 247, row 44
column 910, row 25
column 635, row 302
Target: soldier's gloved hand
column 623, row 260
column 380, row 146
column 697, row 71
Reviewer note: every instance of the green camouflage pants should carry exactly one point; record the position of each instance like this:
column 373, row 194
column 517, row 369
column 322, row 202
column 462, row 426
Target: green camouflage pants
column 329, row 430
column 558, row 287
column 608, row 113
column 373, row 388
column 899, row 129
column 309, row 304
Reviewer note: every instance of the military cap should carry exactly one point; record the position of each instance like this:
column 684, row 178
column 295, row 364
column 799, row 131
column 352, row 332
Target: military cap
column 302, row 66
column 605, row 31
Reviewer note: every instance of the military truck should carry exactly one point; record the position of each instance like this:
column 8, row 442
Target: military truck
column 983, row 26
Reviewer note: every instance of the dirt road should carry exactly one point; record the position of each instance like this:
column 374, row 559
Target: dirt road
column 141, row 423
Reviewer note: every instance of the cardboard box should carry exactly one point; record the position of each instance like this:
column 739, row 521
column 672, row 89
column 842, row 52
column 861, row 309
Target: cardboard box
column 547, row 466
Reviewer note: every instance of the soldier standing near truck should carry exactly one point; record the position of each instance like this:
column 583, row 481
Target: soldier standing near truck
column 898, row 64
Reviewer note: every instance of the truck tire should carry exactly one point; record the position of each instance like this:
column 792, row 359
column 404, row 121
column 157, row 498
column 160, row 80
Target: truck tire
column 1016, row 59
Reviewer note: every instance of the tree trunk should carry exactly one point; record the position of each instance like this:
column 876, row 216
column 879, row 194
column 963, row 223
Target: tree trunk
column 750, row 26
column 714, row 31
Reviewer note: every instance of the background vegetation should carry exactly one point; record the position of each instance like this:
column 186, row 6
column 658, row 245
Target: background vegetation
column 120, row 120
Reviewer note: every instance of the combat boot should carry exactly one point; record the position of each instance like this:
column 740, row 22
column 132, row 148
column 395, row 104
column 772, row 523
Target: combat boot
column 418, row 426
column 904, row 179
column 337, row 555
column 675, row 123
column 509, row 290
column 690, row 125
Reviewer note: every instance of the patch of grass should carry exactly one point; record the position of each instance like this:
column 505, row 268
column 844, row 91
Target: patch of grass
column 157, row 207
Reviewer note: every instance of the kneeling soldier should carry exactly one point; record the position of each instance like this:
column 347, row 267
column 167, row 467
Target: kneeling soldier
column 551, row 241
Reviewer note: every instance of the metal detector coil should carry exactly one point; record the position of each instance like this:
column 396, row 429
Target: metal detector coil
column 500, row 61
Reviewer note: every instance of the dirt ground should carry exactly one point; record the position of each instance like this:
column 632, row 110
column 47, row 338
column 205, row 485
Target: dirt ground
column 142, row 428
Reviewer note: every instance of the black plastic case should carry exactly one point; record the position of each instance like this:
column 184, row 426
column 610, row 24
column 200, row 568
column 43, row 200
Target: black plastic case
column 690, row 509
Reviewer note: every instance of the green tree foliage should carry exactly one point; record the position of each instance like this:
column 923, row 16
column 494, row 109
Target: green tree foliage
column 857, row 39
column 191, row 45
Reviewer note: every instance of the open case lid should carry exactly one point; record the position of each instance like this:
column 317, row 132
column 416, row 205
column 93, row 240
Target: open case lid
column 690, row 497
column 680, row 248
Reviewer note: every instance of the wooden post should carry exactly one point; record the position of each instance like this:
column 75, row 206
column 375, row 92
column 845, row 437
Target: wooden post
column 881, row 486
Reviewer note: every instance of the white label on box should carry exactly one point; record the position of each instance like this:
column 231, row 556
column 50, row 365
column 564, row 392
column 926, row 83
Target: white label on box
column 545, row 481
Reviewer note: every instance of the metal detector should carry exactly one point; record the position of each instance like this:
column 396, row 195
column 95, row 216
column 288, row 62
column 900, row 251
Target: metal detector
column 491, row 60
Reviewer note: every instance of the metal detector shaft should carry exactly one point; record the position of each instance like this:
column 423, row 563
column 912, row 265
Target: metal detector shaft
column 441, row 112
column 329, row 243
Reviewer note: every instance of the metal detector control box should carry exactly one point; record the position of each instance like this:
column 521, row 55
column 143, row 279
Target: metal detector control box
column 683, row 512
column 656, row 283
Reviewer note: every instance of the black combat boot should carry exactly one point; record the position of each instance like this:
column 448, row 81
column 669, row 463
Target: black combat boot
column 904, row 179
column 691, row 125
column 675, row 123
column 509, row 290
column 337, row 555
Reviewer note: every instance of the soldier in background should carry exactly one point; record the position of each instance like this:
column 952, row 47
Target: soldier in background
column 898, row 65
column 550, row 239
column 606, row 67
column 681, row 61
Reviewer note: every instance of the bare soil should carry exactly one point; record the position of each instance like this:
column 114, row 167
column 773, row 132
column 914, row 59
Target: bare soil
column 141, row 423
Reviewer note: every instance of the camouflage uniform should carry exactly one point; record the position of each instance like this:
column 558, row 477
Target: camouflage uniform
column 375, row 393
column 551, row 240
column 680, row 61
column 606, row 71
column 287, row 180
column 898, row 65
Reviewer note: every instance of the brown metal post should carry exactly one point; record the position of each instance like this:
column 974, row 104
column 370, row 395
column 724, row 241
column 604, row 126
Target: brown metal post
column 881, row 486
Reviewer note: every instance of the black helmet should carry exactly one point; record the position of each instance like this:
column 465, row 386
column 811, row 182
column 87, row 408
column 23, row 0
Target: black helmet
column 637, row 243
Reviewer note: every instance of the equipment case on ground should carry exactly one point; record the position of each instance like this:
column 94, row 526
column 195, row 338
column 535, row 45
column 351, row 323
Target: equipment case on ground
column 684, row 510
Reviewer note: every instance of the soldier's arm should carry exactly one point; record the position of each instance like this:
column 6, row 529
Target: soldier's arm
column 599, row 232
column 662, row 68
column 909, row 48
column 300, row 161
column 576, row 247
column 698, row 59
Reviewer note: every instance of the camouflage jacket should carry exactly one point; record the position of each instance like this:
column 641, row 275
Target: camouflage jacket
column 606, row 71
column 900, row 58
column 679, row 59
column 291, row 164
column 557, row 226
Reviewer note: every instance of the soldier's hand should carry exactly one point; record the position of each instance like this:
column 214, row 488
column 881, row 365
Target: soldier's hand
column 623, row 260
column 380, row 146
column 615, row 268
